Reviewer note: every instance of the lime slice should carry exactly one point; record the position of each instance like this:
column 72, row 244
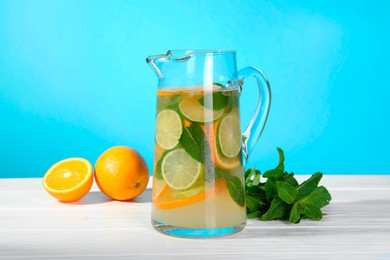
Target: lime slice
column 168, row 129
column 197, row 189
column 179, row 170
column 229, row 136
column 194, row 111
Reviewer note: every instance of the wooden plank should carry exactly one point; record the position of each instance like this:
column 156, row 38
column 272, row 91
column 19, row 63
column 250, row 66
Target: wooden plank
column 33, row 225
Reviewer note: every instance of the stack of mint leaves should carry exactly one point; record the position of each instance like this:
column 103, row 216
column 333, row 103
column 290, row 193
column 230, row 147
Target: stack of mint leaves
column 282, row 197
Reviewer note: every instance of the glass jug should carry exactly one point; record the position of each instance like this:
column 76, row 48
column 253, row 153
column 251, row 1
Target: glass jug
column 200, row 152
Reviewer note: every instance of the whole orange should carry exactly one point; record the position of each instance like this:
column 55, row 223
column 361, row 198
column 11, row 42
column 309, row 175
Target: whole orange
column 121, row 173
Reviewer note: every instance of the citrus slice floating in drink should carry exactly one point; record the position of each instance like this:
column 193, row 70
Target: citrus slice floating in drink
column 221, row 161
column 171, row 199
column 179, row 170
column 168, row 129
column 69, row 180
column 191, row 109
column 229, row 136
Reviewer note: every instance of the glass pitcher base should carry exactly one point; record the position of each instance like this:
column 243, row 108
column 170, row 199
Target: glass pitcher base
column 196, row 232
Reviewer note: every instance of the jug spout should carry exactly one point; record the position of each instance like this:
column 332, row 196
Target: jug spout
column 155, row 61
column 172, row 57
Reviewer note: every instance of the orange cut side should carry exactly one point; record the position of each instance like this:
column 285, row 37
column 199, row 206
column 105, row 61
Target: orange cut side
column 69, row 180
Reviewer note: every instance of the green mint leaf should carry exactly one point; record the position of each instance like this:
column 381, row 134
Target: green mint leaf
column 252, row 204
column 195, row 143
column 219, row 84
column 286, row 192
column 258, row 192
column 289, row 178
column 158, row 169
column 256, row 180
column 218, row 173
column 281, row 156
column 190, row 144
column 214, row 101
column 174, row 101
column 171, row 102
column 233, row 96
column 158, row 166
column 253, row 214
column 312, row 212
column 319, row 198
column 295, row 214
column 252, row 177
column 248, row 176
column 234, row 99
column 277, row 210
column 276, row 174
column 236, row 189
column 281, row 196
column 306, row 187
column 270, row 188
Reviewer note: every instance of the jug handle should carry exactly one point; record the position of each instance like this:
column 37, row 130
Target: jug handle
column 256, row 125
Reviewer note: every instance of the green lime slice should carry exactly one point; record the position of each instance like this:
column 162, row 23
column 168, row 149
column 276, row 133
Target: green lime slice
column 183, row 194
column 179, row 170
column 229, row 136
column 195, row 112
column 168, row 129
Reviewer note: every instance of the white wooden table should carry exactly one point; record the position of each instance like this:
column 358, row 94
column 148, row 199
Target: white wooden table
column 33, row 225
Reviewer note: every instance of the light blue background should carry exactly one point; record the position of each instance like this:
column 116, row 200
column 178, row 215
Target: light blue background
column 74, row 81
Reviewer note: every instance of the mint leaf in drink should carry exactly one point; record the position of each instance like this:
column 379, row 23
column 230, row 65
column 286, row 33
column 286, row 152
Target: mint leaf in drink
column 286, row 192
column 158, row 169
column 190, row 145
column 195, row 143
column 169, row 101
column 219, row 84
column 214, row 101
column 282, row 197
column 236, row 189
column 174, row 101
column 158, row 166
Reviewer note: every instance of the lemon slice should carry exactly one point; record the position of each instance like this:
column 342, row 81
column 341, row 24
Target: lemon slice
column 179, row 170
column 195, row 112
column 168, row 129
column 229, row 136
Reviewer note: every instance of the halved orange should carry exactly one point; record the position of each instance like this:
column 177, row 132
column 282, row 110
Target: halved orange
column 69, row 180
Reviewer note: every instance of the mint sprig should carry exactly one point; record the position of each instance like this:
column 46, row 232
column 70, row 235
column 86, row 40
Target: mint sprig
column 282, row 197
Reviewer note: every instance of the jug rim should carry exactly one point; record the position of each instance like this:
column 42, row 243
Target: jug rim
column 184, row 54
column 202, row 51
